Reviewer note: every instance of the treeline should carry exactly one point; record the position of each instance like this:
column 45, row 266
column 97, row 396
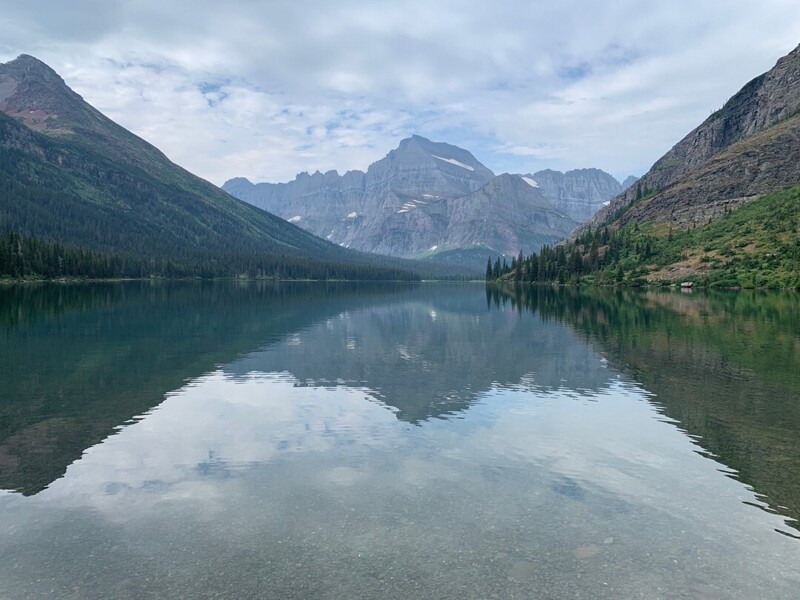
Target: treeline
column 754, row 246
column 619, row 256
column 30, row 257
column 564, row 263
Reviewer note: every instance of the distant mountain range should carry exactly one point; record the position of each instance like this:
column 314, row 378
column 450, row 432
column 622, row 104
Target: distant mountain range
column 579, row 193
column 68, row 174
column 434, row 200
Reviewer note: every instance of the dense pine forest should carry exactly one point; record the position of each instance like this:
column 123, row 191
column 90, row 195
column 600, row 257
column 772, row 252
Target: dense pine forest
column 27, row 257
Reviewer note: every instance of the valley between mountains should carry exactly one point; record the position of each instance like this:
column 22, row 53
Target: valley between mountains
column 84, row 197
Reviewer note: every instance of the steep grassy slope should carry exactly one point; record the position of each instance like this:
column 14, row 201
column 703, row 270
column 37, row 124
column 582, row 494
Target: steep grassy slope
column 65, row 188
column 757, row 245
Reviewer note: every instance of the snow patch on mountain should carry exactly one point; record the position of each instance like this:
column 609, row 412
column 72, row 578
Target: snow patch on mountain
column 531, row 182
column 453, row 161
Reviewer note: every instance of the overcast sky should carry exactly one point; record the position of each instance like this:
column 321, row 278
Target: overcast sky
column 267, row 89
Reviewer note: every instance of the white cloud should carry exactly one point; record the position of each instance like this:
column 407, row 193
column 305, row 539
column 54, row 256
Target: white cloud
column 266, row 90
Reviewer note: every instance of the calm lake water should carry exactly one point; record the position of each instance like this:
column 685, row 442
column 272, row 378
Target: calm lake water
column 380, row 441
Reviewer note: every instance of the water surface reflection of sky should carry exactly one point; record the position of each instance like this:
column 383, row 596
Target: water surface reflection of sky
column 386, row 452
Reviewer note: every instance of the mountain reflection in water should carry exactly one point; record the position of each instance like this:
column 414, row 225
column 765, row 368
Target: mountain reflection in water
column 725, row 366
column 340, row 440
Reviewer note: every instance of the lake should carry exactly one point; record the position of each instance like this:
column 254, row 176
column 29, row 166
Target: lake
column 312, row 440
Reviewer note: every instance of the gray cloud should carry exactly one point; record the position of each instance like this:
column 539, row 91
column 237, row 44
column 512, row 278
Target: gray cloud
column 77, row 21
column 267, row 89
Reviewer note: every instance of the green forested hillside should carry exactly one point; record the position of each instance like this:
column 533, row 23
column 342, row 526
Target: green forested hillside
column 757, row 245
column 73, row 179
column 66, row 192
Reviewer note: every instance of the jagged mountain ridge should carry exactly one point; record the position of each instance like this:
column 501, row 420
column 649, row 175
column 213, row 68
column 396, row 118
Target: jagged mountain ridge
column 431, row 199
column 367, row 210
column 578, row 193
column 73, row 175
column 747, row 148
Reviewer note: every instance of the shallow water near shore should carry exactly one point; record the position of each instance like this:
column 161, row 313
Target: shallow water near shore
column 390, row 441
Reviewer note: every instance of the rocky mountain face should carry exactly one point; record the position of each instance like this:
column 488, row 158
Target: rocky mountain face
column 747, row 148
column 370, row 211
column 507, row 214
column 579, row 193
column 36, row 95
column 70, row 174
column 424, row 199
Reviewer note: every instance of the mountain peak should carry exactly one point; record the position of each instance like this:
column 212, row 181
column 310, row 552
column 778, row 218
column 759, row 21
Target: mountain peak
column 418, row 149
column 415, row 138
column 629, row 181
column 509, row 179
column 28, row 62
column 415, row 141
column 29, row 69
column 36, row 95
column 90, row 183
